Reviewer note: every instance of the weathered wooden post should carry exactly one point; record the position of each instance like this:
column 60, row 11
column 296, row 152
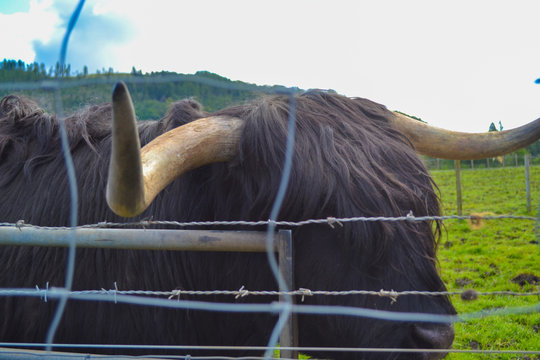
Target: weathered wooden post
column 458, row 186
column 528, row 181
column 289, row 335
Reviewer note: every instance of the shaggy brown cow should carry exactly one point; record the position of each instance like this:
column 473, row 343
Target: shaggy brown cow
column 351, row 158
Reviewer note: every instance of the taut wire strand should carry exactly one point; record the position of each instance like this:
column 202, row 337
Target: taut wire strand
column 72, row 181
column 276, row 307
column 330, row 221
column 242, row 292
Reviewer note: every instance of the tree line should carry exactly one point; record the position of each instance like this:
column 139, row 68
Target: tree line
column 151, row 98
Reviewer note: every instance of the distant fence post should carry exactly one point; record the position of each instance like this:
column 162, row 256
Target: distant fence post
column 438, row 164
column 528, row 181
column 289, row 335
column 516, row 158
column 472, row 164
column 458, row 185
column 487, row 162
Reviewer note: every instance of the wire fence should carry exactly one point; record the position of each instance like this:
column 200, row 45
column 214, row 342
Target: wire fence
column 506, row 161
column 174, row 298
column 468, row 185
column 177, row 294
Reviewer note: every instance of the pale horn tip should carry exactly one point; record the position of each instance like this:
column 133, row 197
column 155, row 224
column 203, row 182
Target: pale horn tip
column 119, row 92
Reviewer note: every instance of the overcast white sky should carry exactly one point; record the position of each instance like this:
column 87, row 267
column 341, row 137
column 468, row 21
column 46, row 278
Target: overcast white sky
column 457, row 64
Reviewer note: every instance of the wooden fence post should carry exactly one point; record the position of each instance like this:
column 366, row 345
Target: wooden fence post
column 289, row 335
column 458, row 186
column 528, row 181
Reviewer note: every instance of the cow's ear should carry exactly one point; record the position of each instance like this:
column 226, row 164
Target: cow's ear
column 182, row 112
column 17, row 108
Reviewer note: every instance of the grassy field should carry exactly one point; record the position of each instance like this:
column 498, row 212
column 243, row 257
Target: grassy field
column 491, row 256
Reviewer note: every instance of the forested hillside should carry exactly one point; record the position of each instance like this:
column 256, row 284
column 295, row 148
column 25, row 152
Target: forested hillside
column 152, row 93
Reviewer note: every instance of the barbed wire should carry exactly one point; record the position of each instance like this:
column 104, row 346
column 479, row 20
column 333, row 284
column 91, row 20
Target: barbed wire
column 274, row 307
column 468, row 294
column 331, row 221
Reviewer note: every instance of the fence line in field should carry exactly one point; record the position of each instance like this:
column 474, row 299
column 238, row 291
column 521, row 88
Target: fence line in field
column 459, row 197
column 506, row 161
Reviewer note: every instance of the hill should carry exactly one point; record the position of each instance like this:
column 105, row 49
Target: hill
column 152, row 93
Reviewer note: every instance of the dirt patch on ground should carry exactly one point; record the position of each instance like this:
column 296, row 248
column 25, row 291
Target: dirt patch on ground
column 461, row 282
column 523, row 279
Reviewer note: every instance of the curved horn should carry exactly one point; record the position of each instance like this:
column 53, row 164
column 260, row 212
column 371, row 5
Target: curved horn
column 201, row 142
column 446, row 144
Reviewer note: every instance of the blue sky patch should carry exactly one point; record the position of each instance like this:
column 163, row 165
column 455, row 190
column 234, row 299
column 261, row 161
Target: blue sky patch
column 13, row 6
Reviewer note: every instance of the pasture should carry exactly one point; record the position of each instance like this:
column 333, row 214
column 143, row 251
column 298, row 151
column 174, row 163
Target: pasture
column 495, row 255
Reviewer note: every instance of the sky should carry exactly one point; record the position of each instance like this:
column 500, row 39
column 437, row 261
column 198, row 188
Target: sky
column 458, row 64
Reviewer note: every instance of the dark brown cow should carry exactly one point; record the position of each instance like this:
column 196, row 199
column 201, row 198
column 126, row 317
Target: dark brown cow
column 349, row 159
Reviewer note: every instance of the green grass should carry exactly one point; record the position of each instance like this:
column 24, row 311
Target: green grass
column 489, row 257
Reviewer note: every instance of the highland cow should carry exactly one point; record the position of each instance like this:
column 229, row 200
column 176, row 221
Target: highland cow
column 350, row 159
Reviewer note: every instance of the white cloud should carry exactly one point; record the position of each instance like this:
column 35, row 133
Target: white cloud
column 21, row 28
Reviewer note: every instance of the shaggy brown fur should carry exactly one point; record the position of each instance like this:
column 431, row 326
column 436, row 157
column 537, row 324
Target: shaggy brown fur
column 348, row 161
